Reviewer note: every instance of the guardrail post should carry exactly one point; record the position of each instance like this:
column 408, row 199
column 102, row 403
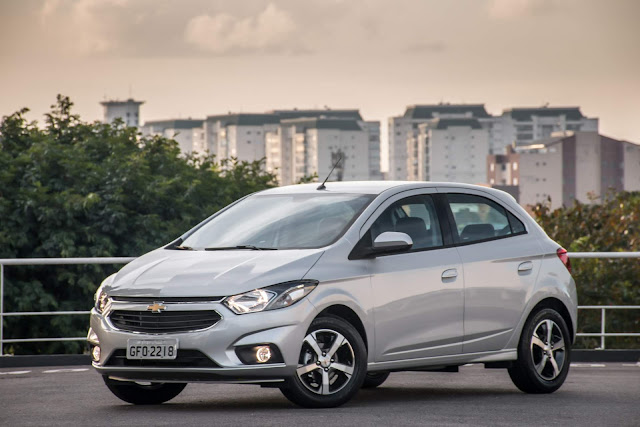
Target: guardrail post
column 602, row 328
column 1, row 308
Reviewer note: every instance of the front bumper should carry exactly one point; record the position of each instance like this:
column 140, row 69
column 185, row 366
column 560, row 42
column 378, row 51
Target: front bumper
column 284, row 328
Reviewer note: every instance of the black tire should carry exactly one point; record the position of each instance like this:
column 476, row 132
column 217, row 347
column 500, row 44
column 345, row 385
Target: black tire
column 139, row 394
column 375, row 379
column 301, row 393
column 534, row 371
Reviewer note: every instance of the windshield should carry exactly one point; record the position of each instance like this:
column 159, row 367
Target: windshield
column 280, row 221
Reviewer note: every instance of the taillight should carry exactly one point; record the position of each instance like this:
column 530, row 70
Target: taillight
column 564, row 257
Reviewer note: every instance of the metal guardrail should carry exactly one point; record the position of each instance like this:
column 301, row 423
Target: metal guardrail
column 123, row 260
column 46, row 261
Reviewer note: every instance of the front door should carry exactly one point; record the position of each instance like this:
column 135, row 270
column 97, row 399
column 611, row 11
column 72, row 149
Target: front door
column 418, row 295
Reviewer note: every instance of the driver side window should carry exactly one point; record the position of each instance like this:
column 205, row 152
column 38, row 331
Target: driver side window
column 415, row 216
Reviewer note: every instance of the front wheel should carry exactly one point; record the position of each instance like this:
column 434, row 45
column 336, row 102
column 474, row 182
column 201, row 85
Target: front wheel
column 144, row 394
column 544, row 353
column 331, row 367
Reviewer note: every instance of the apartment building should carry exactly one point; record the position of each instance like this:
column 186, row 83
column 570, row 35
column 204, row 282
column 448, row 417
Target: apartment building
column 448, row 149
column 404, row 133
column 525, row 125
column 128, row 111
column 295, row 142
column 186, row 132
column 566, row 167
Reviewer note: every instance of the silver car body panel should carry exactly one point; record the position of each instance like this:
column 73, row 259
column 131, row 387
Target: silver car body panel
column 412, row 317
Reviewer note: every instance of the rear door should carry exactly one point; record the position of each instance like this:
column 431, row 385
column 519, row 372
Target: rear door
column 500, row 262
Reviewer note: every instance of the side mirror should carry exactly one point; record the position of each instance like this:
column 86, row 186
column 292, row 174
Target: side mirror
column 392, row 241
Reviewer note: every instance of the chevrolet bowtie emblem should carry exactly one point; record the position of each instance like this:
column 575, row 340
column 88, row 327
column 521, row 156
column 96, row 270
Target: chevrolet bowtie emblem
column 156, row 307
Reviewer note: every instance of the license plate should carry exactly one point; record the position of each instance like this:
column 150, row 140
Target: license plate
column 152, row 349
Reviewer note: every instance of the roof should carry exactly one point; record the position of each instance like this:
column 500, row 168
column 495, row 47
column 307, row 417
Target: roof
column 370, row 187
column 276, row 116
column 447, row 123
column 432, row 111
column 117, row 102
column 322, row 123
column 245, row 119
column 525, row 114
column 327, row 113
column 175, row 123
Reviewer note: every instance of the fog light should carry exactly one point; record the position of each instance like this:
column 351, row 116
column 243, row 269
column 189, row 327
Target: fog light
column 95, row 353
column 263, row 354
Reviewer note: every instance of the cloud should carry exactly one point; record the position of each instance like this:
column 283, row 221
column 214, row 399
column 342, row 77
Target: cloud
column 272, row 30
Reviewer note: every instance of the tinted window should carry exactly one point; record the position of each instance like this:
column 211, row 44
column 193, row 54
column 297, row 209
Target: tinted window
column 477, row 218
column 415, row 216
column 517, row 226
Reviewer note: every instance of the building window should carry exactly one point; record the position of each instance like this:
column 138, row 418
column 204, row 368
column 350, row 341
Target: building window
column 515, row 166
column 491, row 167
column 515, row 181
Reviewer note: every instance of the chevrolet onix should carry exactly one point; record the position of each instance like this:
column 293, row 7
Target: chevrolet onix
column 320, row 291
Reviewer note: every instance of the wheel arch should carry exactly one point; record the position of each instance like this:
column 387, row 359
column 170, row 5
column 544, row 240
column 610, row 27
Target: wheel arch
column 348, row 315
column 560, row 307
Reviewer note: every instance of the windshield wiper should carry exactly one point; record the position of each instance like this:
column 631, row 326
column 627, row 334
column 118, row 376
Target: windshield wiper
column 252, row 247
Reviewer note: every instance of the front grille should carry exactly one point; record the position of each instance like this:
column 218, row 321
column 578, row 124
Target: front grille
column 184, row 359
column 173, row 300
column 166, row 322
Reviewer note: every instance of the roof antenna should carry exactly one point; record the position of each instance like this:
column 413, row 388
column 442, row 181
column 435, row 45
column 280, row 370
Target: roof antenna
column 322, row 186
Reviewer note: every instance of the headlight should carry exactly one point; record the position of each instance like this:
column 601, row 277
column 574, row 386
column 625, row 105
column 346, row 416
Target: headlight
column 101, row 298
column 270, row 298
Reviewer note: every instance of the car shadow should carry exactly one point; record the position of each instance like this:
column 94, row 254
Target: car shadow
column 277, row 402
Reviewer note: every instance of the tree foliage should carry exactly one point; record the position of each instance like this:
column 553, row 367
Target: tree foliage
column 610, row 226
column 76, row 189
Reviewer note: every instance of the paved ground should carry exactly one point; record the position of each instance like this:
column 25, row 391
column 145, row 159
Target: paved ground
column 594, row 395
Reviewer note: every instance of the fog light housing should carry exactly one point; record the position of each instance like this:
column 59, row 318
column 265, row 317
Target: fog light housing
column 259, row 354
column 263, row 354
column 95, row 353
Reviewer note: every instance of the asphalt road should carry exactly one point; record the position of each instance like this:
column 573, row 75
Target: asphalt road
column 593, row 395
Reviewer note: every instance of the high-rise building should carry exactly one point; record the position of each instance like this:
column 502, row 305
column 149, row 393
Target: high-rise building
column 566, row 167
column 295, row 142
column 128, row 111
column 524, row 125
column 181, row 130
column 406, row 127
column 448, row 149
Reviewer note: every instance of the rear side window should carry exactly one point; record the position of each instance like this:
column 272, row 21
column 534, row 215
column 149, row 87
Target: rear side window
column 477, row 219
column 415, row 216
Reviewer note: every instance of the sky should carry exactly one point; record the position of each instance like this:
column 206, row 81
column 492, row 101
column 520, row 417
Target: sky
column 193, row 58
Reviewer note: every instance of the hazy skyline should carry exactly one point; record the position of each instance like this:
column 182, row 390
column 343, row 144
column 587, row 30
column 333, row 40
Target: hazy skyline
column 196, row 58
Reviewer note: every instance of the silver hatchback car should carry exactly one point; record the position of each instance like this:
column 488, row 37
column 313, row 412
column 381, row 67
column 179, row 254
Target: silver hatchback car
column 322, row 291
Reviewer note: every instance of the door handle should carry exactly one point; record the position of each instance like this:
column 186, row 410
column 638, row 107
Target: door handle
column 451, row 273
column 525, row 266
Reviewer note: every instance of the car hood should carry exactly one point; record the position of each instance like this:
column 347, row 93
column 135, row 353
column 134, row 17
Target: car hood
column 173, row 273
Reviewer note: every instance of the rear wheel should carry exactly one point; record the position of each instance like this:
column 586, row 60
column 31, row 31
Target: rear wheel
column 331, row 367
column 544, row 353
column 144, row 393
column 375, row 379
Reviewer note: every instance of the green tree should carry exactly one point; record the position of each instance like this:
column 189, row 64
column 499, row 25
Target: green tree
column 77, row 189
column 610, row 226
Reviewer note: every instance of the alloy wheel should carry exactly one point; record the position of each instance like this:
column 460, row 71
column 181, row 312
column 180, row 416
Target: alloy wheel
column 548, row 349
column 326, row 363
